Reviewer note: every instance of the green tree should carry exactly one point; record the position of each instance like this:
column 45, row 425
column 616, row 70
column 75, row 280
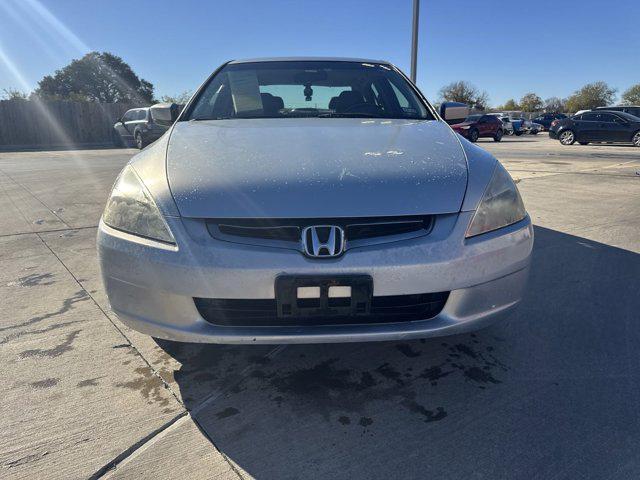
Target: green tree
column 531, row 102
column 631, row 96
column 592, row 95
column 179, row 99
column 97, row 77
column 555, row 104
column 510, row 105
column 464, row 92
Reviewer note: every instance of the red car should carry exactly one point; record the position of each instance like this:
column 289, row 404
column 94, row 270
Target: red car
column 476, row 126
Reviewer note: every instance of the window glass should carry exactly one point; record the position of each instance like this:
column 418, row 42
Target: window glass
column 128, row 116
column 633, row 111
column 142, row 114
column 307, row 89
column 606, row 117
column 590, row 117
column 404, row 103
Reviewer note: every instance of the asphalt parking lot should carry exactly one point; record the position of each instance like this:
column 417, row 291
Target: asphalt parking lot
column 551, row 393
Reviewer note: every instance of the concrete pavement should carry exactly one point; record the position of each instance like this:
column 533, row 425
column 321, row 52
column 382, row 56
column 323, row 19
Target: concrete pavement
column 551, row 393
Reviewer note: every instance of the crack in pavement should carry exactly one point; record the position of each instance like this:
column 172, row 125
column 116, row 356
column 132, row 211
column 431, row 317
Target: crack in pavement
column 111, row 465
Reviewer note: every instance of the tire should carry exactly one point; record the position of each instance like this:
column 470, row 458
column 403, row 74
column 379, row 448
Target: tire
column 636, row 139
column 474, row 135
column 140, row 143
column 534, row 132
column 518, row 133
column 498, row 136
column 567, row 137
column 583, row 143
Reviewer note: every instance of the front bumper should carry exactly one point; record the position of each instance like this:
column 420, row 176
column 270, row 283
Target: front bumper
column 151, row 286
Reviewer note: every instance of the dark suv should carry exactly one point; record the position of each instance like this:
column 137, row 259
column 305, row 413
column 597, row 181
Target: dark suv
column 139, row 127
column 630, row 109
column 546, row 118
column 476, row 126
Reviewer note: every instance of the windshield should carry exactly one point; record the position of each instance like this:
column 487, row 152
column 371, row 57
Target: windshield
column 307, row 89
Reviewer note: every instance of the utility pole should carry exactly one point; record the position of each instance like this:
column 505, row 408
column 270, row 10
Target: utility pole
column 414, row 40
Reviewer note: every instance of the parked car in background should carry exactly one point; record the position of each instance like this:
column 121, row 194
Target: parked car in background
column 138, row 127
column 507, row 126
column 597, row 126
column 630, row 109
column 532, row 128
column 478, row 126
column 518, row 126
column 546, row 118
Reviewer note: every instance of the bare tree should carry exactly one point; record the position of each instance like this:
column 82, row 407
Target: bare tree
column 179, row 99
column 555, row 104
column 464, row 92
column 14, row 94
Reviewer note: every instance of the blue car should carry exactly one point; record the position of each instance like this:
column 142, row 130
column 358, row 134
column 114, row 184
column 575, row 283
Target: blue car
column 518, row 126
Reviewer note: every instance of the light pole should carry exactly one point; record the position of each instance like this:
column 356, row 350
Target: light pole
column 414, row 40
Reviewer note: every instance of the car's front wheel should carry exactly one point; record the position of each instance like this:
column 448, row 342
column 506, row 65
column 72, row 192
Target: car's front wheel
column 473, row 135
column 567, row 137
column 498, row 136
column 636, row 139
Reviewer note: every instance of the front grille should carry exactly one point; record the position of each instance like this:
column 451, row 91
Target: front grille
column 263, row 312
column 286, row 232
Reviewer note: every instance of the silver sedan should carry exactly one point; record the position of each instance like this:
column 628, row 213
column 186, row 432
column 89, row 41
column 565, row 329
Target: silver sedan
column 312, row 200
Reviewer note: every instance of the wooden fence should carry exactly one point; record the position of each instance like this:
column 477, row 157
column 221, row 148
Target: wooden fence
column 36, row 124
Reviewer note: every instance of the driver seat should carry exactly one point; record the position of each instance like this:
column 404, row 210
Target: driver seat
column 346, row 100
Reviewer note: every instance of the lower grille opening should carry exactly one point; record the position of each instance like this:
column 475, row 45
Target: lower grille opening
column 263, row 312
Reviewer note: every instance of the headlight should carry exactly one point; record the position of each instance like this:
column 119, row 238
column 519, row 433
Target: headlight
column 501, row 205
column 131, row 208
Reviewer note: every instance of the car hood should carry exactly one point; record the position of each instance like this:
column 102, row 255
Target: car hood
column 315, row 167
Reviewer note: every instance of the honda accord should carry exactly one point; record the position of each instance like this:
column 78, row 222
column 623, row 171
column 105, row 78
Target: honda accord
column 312, row 200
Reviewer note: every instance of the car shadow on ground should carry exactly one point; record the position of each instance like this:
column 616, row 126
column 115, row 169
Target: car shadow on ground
column 533, row 396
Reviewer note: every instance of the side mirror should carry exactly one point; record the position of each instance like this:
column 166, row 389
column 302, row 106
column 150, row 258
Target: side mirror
column 165, row 113
column 454, row 112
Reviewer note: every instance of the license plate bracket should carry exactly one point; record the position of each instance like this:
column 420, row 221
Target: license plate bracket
column 290, row 305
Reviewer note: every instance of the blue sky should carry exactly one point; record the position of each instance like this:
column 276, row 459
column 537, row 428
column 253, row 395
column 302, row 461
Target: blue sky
column 507, row 48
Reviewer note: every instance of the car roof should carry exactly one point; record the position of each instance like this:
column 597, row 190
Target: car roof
column 617, row 106
column 308, row 59
column 626, row 115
